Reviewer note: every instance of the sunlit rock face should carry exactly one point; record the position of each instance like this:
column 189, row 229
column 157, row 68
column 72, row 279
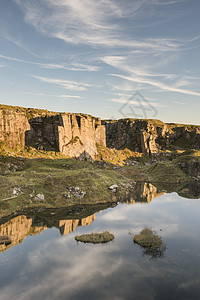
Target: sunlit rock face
column 13, row 125
column 150, row 136
column 74, row 135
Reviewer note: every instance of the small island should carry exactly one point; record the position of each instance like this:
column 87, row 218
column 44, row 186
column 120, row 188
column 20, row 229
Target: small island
column 95, row 238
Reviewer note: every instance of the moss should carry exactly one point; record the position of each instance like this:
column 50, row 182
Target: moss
column 166, row 172
column 95, row 238
column 56, row 179
column 151, row 242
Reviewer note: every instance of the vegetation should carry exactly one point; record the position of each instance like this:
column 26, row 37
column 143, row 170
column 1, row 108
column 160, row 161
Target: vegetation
column 116, row 157
column 62, row 182
column 151, row 243
column 166, row 171
column 95, row 238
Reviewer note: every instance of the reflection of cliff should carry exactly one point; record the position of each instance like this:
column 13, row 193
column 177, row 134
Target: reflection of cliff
column 67, row 226
column 144, row 192
column 18, row 228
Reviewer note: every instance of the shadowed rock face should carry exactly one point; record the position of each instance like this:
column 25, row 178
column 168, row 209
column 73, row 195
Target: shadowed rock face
column 150, row 136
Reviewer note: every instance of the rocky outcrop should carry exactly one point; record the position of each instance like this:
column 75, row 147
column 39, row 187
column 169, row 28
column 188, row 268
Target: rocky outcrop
column 74, row 135
column 150, row 136
column 13, row 125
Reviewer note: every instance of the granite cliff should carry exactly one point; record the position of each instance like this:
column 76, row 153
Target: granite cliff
column 74, row 135
column 77, row 135
column 151, row 136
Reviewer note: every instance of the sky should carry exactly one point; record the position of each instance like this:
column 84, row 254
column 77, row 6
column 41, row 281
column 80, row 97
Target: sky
column 108, row 58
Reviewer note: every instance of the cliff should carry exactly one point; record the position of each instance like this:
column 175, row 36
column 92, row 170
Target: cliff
column 75, row 135
column 151, row 136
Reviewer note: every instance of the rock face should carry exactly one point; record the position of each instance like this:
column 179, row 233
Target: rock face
column 75, row 135
column 13, row 125
column 150, row 136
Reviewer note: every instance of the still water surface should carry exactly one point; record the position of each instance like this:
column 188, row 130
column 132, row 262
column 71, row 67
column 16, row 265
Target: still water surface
column 50, row 264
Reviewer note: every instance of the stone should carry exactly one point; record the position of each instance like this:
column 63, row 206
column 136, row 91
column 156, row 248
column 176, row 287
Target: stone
column 113, row 188
column 39, row 197
column 16, row 191
column 150, row 136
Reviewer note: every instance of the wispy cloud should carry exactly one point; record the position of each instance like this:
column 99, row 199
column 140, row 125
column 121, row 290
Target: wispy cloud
column 70, row 66
column 157, row 84
column 52, row 95
column 121, row 63
column 66, row 84
column 95, row 23
column 136, row 103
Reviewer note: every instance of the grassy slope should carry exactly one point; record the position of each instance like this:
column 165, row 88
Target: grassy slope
column 54, row 178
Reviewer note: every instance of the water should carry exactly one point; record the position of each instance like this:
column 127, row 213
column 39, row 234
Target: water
column 49, row 264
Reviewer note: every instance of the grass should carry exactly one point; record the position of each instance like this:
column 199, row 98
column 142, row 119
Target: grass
column 25, row 173
column 166, row 171
column 95, row 238
column 57, row 180
column 116, row 157
column 151, row 242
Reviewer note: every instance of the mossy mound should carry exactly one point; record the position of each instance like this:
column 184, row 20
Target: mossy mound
column 151, row 242
column 166, row 172
column 95, row 238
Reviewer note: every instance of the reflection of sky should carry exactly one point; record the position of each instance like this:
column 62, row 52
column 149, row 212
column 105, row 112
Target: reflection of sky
column 51, row 266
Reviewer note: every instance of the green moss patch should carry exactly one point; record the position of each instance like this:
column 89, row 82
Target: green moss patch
column 151, row 243
column 95, row 238
column 166, row 172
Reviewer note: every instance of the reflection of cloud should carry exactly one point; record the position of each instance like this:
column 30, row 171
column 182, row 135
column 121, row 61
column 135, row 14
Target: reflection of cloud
column 64, row 272
column 61, row 268
column 189, row 284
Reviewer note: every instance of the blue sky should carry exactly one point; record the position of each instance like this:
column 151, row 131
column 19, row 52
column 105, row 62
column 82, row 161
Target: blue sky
column 92, row 56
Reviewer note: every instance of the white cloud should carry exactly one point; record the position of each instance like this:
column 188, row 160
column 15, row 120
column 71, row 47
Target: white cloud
column 92, row 22
column 157, row 84
column 66, row 84
column 136, row 103
column 52, row 95
column 71, row 66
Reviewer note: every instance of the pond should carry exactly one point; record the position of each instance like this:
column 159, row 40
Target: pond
column 44, row 261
